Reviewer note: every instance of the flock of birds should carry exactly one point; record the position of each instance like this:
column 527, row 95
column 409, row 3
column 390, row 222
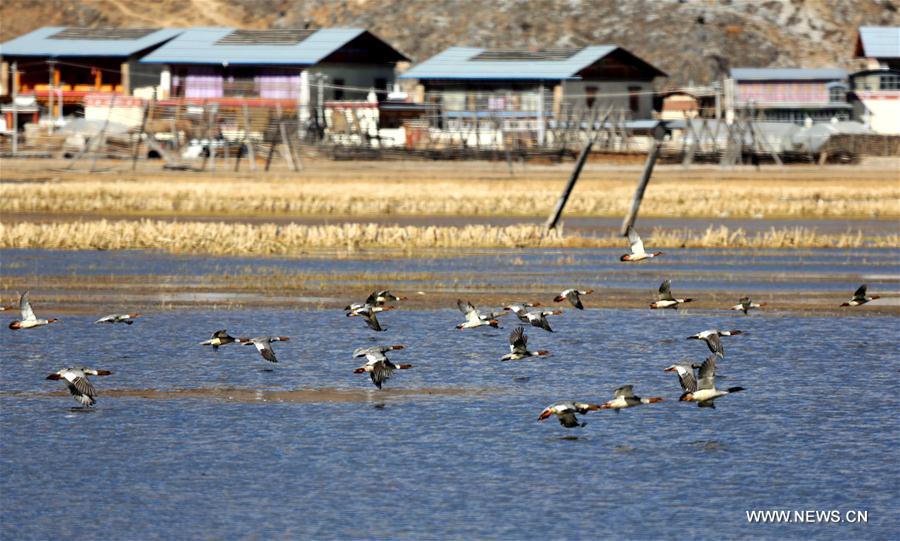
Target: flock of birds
column 698, row 381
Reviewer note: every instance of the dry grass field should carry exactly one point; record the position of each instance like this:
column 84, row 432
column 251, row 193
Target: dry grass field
column 96, row 204
column 341, row 189
column 230, row 238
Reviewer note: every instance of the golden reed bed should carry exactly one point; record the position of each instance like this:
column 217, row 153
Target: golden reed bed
column 269, row 239
column 459, row 189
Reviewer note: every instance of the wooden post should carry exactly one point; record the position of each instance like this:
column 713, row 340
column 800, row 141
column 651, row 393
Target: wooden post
column 203, row 118
column 251, row 154
column 282, row 129
column 652, row 155
column 137, row 143
column 567, row 191
column 272, row 142
column 288, row 154
column 211, row 130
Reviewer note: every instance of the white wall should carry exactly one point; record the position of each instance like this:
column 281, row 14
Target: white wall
column 361, row 76
column 883, row 115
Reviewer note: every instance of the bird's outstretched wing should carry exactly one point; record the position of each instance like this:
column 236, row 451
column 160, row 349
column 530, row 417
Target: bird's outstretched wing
column 372, row 299
column 686, row 378
column 518, row 341
column 25, row 308
column 575, row 299
column 637, row 245
column 715, row 345
column 265, row 349
column 372, row 320
column 707, row 374
column 568, row 419
column 665, row 291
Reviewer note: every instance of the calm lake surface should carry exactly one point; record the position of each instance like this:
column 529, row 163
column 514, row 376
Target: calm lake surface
column 816, row 428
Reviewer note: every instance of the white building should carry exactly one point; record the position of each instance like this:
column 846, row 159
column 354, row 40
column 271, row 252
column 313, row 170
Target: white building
column 876, row 90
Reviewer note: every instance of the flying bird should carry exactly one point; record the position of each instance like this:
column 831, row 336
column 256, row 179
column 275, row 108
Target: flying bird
column 859, row 297
column 220, row 338
column 625, row 398
column 705, row 392
column 745, row 305
column 375, row 301
column 711, row 337
column 378, row 366
column 264, row 345
column 565, row 412
column 474, row 318
column 78, row 384
column 127, row 319
column 29, row 320
column 520, row 308
column 637, row 248
column 368, row 315
column 573, row 296
column 518, row 347
column 686, row 376
column 362, row 310
column 665, row 298
column 536, row 319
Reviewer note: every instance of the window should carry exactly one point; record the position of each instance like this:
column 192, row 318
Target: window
column 338, row 89
column 634, row 98
column 890, row 82
column 381, row 88
column 837, row 93
column 590, row 96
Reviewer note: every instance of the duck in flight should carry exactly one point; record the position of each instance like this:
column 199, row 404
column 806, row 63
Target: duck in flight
column 220, row 338
column 127, row 319
column 745, row 305
column 711, row 337
column 375, row 301
column 368, row 313
column 518, row 347
column 378, row 366
column 665, row 298
column 700, row 389
column 860, row 297
column 535, row 319
column 264, row 345
column 637, row 248
column 78, row 384
column 474, row 318
column 29, row 320
column 573, row 296
column 520, row 309
column 624, row 398
column 565, row 412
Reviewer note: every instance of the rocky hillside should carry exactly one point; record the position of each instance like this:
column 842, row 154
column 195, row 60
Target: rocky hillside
column 692, row 40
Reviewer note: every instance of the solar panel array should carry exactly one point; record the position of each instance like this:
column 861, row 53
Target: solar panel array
column 266, row 37
column 103, row 33
column 519, row 55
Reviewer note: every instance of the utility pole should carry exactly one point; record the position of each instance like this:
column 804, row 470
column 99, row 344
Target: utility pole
column 15, row 104
column 717, row 85
column 51, row 66
column 320, row 114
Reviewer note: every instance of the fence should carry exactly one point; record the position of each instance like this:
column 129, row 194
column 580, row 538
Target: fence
column 231, row 133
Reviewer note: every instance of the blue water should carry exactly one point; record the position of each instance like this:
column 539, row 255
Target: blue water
column 815, row 429
column 694, row 269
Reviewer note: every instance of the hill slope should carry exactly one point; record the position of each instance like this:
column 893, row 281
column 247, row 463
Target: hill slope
column 693, row 40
